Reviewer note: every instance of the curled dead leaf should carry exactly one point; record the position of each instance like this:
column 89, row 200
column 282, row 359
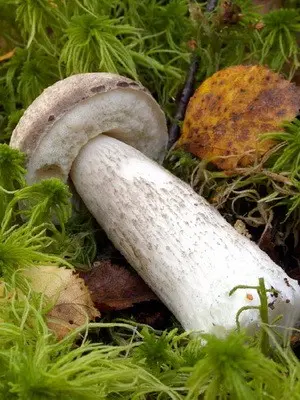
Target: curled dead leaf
column 114, row 287
column 67, row 297
column 7, row 56
column 231, row 109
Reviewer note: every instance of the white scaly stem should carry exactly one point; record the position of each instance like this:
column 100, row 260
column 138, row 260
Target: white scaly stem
column 180, row 245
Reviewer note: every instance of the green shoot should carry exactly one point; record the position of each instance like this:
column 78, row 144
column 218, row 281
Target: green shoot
column 25, row 79
column 234, row 368
column 92, row 45
column 77, row 242
column 46, row 208
column 181, row 163
column 167, row 20
column 12, row 171
column 158, row 351
column 287, row 157
column 279, row 39
column 12, row 174
column 262, row 308
column 293, row 202
column 25, row 246
column 12, row 122
column 46, row 201
column 36, row 17
column 33, row 76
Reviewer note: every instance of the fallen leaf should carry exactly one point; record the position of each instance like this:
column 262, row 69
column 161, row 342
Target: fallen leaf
column 67, row 296
column 230, row 110
column 7, row 56
column 114, row 287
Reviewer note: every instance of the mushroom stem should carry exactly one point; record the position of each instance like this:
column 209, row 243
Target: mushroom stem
column 180, row 245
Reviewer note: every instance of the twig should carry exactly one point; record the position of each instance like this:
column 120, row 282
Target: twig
column 174, row 130
column 187, row 92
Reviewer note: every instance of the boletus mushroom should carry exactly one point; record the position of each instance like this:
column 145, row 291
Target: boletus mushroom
column 103, row 131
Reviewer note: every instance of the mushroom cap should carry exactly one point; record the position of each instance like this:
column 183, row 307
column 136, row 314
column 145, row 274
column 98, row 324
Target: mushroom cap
column 74, row 110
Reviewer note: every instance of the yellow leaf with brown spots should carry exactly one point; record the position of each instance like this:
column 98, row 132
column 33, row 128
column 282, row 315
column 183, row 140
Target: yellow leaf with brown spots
column 66, row 295
column 230, row 110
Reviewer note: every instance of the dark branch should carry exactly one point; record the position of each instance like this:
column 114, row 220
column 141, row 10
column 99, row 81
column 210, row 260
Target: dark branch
column 187, row 92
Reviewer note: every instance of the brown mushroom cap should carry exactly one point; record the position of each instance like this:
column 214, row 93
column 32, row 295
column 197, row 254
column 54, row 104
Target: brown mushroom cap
column 74, row 110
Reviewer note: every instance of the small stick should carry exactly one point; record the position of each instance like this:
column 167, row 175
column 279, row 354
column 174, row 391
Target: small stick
column 187, row 92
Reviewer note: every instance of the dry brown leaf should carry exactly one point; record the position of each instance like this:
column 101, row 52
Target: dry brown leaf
column 114, row 287
column 7, row 56
column 67, row 296
column 230, row 110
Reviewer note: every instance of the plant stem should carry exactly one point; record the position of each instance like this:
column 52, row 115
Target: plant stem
column 188, row 89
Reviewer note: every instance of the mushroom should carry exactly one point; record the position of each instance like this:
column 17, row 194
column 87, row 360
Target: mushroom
column 104, row 131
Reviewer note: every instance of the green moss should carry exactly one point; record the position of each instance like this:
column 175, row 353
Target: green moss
column 147, row 40
column 44, row 202
column 279, row 39
column 36, row 224
column 148, row 365
column 53, row 39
